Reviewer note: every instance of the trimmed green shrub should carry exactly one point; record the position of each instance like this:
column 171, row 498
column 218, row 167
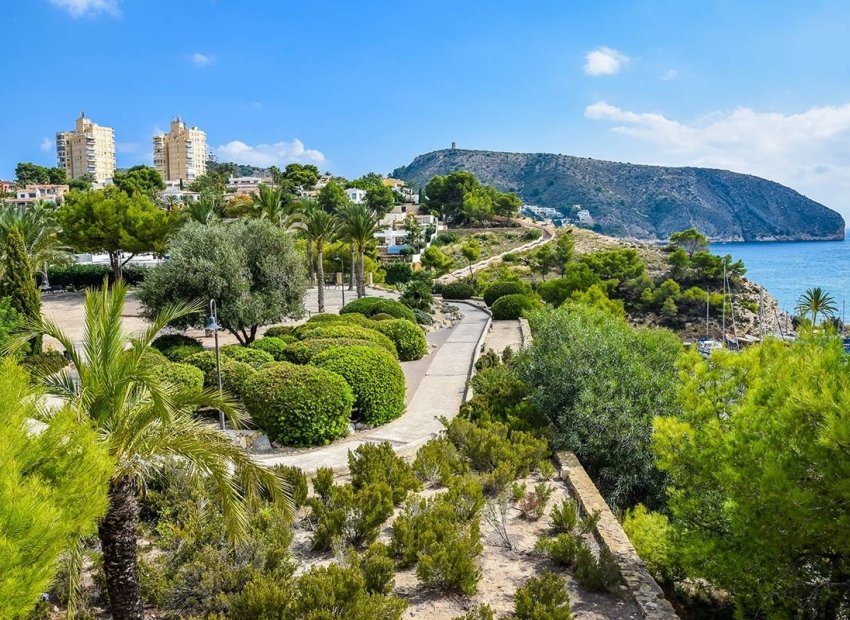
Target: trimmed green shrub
column 299, row 352
column 323, row 317
column 278, row 331
column 184, row 376
column 181, row 353
column 408, row 338
column 235, row 376
column 79, row 276
column 512, row 307
column 458, row 290
column 272, row 345
column 168, row 341
column 303, row 351
column 369, row 306
column 299, row 405
column 375, row 378
column 357, row 319
column 374, row 463
column 154, row 357
column 254, row 357
column 423, row 318
column 437, row 462
column 543, row 597
column 500, row 289
column 338, row 330
column 296, row 480
column 383, row 316
column 205, row 360
column 351, row 516
column 44, row 363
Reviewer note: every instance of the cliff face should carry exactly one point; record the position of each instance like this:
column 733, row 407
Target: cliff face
column 643, row 202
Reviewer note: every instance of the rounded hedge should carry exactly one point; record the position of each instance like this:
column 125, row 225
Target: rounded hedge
column 169, row 341
column 375, row 377
column 457, row 290
column 500, row 289
column 272, row 345
column 324, row 317
column 234, row 376
column 299, row 405
column 356, row 318
column 303, row 351
column 183, row 376
column 370, row 306
column 181, row 353
column 255, row 357
column 341, row 330
column 512, row 307
column 278, row 331
column 205, row 361
column 383, row 316
column 408, row 338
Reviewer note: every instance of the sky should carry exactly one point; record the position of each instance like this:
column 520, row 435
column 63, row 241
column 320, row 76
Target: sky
column 760, row 87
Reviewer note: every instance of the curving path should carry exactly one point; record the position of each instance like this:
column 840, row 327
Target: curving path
column 548, row 236
column 438, row 385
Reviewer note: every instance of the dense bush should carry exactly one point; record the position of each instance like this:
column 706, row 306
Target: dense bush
column 340, row 330
column 276, row 331
column 254, row 357
column 651, row 534
column 417, row 296
column 357, row 319
column 205, row 360
column 299, row 405
column 457, row 290
column 272, row 345
column 373, row 463
column 446, row 238
column 323, row 317
column 369, row 306
column 296, row 480
column 604, row 413
column 500, row 289
column 181, row 353
column 381, row 316
column 377, row 567
column 408, row 338
column 44, row 363
column 184, row 376
column 423, row 318
column 512, row 307
column 168, row 341
column 437, row 462
column 235, row 376
column 375, row 378
column 303, row 351
column 397, row 272
column 350, row 516
column 543, row 597
column 81, row 275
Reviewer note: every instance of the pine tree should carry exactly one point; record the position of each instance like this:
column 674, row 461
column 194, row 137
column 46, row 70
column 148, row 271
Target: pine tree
column 19, row 281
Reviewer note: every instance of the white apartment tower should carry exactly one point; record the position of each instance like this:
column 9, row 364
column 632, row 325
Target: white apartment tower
column 89, row 149
column 180, row 154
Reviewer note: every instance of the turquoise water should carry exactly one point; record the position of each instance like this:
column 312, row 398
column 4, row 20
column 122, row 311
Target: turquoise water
column 787, row 269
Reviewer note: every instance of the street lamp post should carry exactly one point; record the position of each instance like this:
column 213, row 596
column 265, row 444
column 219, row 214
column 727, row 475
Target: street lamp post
column 213, row 326
column 342, row 268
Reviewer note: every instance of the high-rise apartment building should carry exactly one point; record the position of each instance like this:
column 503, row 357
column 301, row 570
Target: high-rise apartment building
column 89, row 149
column 180, row 154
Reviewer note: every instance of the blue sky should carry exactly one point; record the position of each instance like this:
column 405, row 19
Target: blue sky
column 760, row 87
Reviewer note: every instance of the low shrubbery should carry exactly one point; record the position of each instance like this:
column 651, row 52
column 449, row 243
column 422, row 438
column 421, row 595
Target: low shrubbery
column 303, row 351
column 343, row 514
column 177, row 347
column 437, row 462
column 543, row 597
column 254, row 357
column 501, row 289
column 408, row 338
column 299, row 405
column 341, row 330
column 373, row 463
column 44, row 363
column 375, row 378
column 457, row 290
column 184, row 376
column 272, row 345
column 279, row 331
column 369, row 306
column 79, row 275
column 423, row 318
column 512, row 307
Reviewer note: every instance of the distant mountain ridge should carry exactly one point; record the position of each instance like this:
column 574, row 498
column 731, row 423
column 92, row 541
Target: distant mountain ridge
column 640, row 201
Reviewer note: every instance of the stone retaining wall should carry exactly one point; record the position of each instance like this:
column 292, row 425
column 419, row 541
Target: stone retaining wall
column 524, row 332
column 610, row 534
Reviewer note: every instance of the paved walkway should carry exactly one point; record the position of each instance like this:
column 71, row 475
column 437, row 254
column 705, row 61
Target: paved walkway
column 439, row 391
column 502, row 335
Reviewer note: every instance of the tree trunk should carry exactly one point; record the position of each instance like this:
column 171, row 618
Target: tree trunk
column 320, row 269
column 311, row 268
column 117, row 534
column 115, row 259
column 361, row 276
column 351, row 262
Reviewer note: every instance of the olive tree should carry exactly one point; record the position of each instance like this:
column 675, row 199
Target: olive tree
column 251, row 268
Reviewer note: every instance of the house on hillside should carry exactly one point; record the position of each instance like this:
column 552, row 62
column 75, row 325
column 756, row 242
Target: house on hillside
column 356, row 195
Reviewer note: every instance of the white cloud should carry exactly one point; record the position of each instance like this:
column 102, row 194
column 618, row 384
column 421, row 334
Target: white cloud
column 202, row 60
column 604, row 61
column 809, row 151
column 670, row 74
column 46, row 145
column 81, row 8
column 277, row 154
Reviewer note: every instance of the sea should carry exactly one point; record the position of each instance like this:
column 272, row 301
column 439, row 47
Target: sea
column 787, row 268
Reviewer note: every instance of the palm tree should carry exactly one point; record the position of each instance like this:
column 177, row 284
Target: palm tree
column 319, row 227
column 146, row 424
column 814, row 302
column 37, row 223
column 269, row 204
column 359, row 224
